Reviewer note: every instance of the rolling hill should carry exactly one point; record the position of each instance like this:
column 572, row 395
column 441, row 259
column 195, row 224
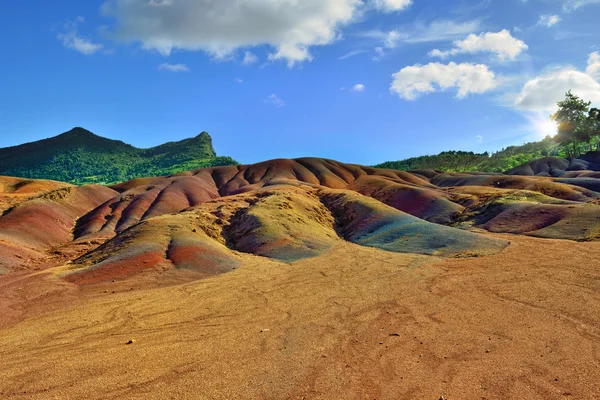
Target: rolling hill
column 286, row 210
column 81, row 157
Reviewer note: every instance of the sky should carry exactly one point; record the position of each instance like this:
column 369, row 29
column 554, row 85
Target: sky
column 360, row 81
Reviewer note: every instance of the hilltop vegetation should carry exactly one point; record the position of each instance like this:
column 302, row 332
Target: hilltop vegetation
column 578, row 131
column 80, row 157
column 578, row 125
column 468, row 161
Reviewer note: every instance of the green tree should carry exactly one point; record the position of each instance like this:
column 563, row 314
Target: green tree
column 593, row 126
column 571, row 118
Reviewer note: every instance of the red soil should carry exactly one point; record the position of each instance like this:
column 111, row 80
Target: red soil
column 548, row 207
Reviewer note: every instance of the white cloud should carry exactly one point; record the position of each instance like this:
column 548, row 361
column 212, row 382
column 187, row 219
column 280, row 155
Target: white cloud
column 78, row 43
column 392, row 39
column 71, row 39
column 173, row 67
column 351, row 54
column 593, row 67
column 249, row 58
column 275, row 101
column 414, row 80
column 379, row 53
column 479, row 139
column 219, row 27
column 572, row 5
column 549, row 20
column 359, row 87
column 542, row 93
column 438, row 53
column 391, row 5
column 420, row 32
column 439, row 31
column 238, row 80
column 502, row 43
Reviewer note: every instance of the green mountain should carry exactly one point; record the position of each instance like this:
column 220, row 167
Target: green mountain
column 80, row 157
column 466, row 161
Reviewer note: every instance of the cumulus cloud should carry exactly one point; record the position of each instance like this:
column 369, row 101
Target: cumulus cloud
column 359, row 87
column 479, row 139
column 274, row 101
column 218, row 27
column 593, row 67
column 502, row 43
column 412, row 81
column 71, row 39
column 173, row 67
column 542, row 93
column 549, row 20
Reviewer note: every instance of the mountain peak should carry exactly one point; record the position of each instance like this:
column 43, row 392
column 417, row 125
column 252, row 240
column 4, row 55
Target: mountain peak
column 203, row 135
column 79, row 131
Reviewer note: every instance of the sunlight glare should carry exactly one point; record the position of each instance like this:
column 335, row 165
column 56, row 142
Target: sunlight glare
column 543, row 126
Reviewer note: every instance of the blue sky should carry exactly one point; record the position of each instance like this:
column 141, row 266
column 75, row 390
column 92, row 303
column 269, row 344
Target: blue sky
column 361, row 81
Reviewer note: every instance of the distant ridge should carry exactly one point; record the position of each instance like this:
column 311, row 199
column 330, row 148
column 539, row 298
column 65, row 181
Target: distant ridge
column 79, row 156
column 468, row 161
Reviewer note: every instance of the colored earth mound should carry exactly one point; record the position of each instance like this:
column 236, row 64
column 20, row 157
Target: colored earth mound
column 302, row 278
column 558, row 167
column 200, row 221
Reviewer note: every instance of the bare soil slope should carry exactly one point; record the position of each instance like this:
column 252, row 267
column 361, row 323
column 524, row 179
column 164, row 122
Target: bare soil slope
column 354, row 323
column 305, row 278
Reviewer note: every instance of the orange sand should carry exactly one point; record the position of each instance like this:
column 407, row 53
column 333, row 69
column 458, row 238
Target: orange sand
column 355, row 323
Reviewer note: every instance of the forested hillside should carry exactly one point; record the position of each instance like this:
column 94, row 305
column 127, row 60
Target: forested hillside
column 80, row 157
column 466, row 161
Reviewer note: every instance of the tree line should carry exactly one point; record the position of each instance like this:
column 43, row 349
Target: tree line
column 468, row 161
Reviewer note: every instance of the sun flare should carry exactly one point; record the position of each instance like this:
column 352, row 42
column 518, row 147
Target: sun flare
column 544, row 126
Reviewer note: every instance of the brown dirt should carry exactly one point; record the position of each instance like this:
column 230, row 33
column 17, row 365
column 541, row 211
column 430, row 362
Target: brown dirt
column 355, row 323
column 16, row 190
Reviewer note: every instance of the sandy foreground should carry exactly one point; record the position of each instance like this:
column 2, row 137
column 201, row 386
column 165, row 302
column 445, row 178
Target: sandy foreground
column 356, row 323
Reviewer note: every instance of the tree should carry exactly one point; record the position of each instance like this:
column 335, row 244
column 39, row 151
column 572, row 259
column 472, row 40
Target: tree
column 589, row 128
column 572, row 119
column 593, row 125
